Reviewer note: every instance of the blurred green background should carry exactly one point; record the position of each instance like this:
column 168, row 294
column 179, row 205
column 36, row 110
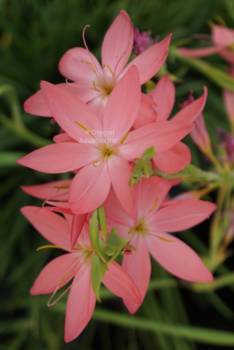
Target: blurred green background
column 34, row 34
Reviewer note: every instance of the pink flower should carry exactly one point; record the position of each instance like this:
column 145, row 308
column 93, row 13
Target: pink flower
column 223, row 40
column 174, row 159
column 103, row 160
column 142, row 41
column 76, row 264
column 94, row 82
column 148, row 233
column 228, row 98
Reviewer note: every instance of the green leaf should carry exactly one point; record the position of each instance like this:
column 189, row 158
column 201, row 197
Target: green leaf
column 95, row 276
column 102, row 221
column 94, row 235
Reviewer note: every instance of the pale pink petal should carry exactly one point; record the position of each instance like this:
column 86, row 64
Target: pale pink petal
column 52, row 276
column 77, row 225
column 150, row 61
column 228, row 55
column 174, row 159
column 117, row 43
column 193, row 110
column 222, row 36
column 120, row 172
column 68, row 109
column 89, row 188
column 80, row 65
column 147, row 112
column 80, row 304
column 60, row 157
column 123, row 105
column 164, row 97
column 64, row 137
column 162, row 135
column 150, row 194
column 199, row 134
column 206, row 51
column 121, row 284
column 52, row 190
column 228, row 98
column 138, row 266
column 98, row 106
column 178, row 258
column 50, row 225
column 37, row 105
column 115, row 211
column 180, row 216
column 84, row 238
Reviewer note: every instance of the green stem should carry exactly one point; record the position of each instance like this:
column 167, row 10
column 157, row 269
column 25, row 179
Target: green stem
column 24, row 133
column 208, row 336
column 14, row 102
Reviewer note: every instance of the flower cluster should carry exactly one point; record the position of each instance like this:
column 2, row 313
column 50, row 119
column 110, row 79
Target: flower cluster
column 113, row 138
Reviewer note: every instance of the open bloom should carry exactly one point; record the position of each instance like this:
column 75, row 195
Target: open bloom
column 174, row 159
column 103, row 159
column 76, row 264
column 94, row 82
column 148, row 233
column 223, row 40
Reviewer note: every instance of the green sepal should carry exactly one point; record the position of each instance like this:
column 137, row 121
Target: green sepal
column 94, row 235
column 115, row 242
column 142, row 168
column 102, row 222
column 103, row 269
column 95, row 276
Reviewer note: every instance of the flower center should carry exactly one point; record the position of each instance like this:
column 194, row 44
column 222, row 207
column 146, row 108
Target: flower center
column 139, row 229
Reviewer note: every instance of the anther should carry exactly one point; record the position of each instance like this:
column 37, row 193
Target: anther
column 91, row 65
column 83, row 127
column 154, row 206
column 107, row 65
column 48, row 246
column 124, row 138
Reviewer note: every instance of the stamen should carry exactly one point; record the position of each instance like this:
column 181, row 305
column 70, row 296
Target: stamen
column 107, row 65
column 72, row 271
column 154, row 206
column 83, row 127
column 165, row 240
column 124, row 138
column 91, row 65
column 83, row 35
column 48, row 246
column 48, row 304
column 62, row 187
column 131, row 231
column 94, row 162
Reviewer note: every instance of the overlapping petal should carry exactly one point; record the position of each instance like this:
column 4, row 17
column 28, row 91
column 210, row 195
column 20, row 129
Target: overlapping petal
column 57, row 190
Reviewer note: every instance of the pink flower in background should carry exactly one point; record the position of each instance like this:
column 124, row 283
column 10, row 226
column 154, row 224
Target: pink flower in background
column 76, row 264
column 228, row 98
column 142, row 41
column 148, row 233
column 94, row 82
column 177, row 157
column 106, row 163
column 223, row 40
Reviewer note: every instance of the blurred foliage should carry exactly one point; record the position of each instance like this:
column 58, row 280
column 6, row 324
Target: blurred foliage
column 34, row 34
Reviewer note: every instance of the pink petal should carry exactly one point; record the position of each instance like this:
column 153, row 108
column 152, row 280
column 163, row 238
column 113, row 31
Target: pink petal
column 181, row 216
column 138, row 266
column 150, row 61
column 60, row 157
column 64, row 137
column 80, row 304
column 53, row 273
column 222, row 36
column 228, row 98
column 121, row 284
column 72, row 67
column 123, row 105
column 50, row 225
column 68, row 109
column 89, row 188
column 117, row 44
column 59, row 207
column 147, row 112
column 193, row 110
column 120, row 172
column 150, row 192
column 164, row 97
column 228, row 55
column 98, row 106
column 200, row 136
column 178, row 258
column 115, row 211
column 77, row 225
column 49, row 190
column 206, row 51
column 161, row 135
column 174, row 159
column 37, row 105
